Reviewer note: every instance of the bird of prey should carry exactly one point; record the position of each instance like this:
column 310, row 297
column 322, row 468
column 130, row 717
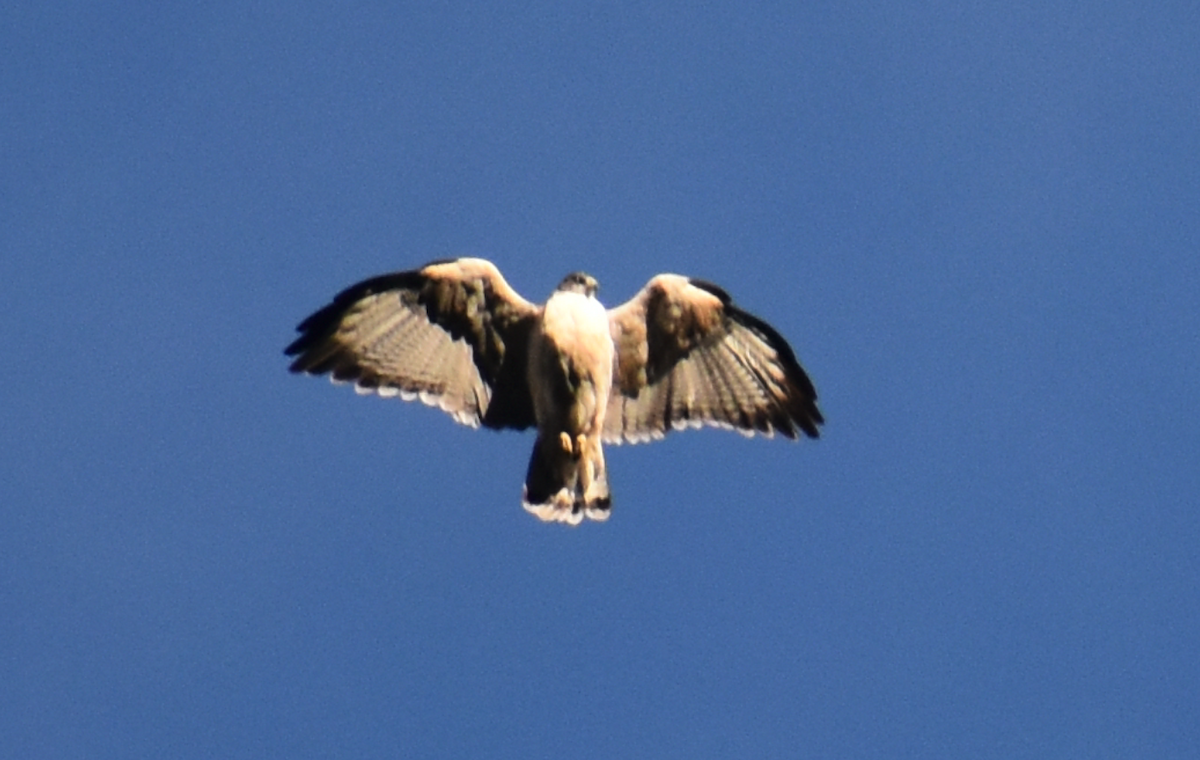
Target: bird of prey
column 455, row 335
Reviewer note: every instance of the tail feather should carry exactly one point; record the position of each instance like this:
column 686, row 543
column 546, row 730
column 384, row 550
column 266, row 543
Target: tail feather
column 557, row 487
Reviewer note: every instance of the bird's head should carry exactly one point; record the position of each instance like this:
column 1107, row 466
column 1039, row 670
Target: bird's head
column 578, row 282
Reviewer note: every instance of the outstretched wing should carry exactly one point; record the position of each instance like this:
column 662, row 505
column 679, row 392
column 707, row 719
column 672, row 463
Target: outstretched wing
column 453, row 334
column 686, row 357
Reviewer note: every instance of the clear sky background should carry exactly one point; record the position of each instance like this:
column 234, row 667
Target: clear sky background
column 977, row 223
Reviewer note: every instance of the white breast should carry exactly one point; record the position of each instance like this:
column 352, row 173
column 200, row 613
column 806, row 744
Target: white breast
column 578, row 327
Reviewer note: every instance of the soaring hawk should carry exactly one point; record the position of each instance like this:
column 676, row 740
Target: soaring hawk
column 456, row 336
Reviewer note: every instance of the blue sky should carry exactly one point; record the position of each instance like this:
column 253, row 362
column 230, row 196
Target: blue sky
column 977, row 224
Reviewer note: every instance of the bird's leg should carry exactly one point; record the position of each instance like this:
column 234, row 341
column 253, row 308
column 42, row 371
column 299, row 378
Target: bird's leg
column 594, row 488
column 565, row 438
column 587, row 470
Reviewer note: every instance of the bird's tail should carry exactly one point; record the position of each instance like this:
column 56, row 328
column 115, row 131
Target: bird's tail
column 567, row 480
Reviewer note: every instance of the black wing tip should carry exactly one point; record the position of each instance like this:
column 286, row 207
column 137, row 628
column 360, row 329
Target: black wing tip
column 301, row 348
column 314, row 331
column 807, row 416
column 810, row 428
column 803, row 411
column 302, row 364
column 317, row 327
column 800, row 421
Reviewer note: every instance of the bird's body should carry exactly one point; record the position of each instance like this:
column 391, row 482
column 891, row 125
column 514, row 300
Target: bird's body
column 456, row 336
column 572, row 350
